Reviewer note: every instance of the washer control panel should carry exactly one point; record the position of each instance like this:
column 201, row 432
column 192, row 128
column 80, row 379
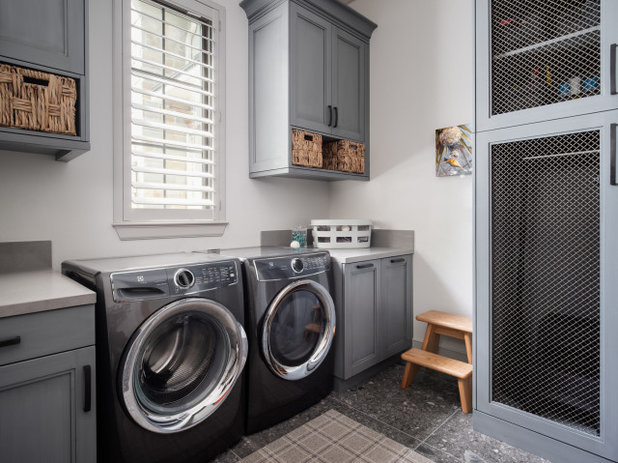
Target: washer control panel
column 176, row 281
column 279, row 268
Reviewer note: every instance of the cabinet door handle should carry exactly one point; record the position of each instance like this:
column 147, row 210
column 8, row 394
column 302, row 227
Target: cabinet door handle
column 399, row 259
column 10, row 341
column 612, row 161
column 336, row 116
column 612, row 68
column 330, row 115
column 87, row 388
column 364, row 266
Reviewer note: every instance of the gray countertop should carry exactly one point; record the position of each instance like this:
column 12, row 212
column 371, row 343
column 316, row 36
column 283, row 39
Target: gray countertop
column 37, row 291
column 349, row 256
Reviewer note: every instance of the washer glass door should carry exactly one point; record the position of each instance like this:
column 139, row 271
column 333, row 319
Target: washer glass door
column 181, row 363
column 298, row 329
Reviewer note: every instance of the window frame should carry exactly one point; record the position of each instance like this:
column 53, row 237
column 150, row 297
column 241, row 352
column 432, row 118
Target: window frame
column 163, row 223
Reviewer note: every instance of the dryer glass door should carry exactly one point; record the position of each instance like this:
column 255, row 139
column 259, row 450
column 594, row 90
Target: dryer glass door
column 181, row 363
column 298, row 329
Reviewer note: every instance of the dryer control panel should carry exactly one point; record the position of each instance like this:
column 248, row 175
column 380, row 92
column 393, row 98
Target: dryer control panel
column 302, row 265
column 175, row 281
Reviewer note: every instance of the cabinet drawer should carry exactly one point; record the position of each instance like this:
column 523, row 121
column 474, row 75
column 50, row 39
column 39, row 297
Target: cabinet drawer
column 45, row 333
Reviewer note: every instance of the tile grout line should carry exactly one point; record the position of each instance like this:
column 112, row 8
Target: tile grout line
column 439, row 426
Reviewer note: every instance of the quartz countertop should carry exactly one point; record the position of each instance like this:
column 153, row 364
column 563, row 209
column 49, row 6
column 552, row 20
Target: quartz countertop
column 37, row 291
column 349, row 256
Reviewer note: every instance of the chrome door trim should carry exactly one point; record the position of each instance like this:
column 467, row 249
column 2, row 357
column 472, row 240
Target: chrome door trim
column 293, row 373
column 170, row 423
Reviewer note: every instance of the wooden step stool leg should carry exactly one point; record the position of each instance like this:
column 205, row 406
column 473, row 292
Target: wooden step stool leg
column 465, row 393
column 432, row 339
column 468, row 341
column 409, row 374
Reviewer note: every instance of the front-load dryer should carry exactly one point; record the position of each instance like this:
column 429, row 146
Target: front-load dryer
column 170, row 355
column 290, row 322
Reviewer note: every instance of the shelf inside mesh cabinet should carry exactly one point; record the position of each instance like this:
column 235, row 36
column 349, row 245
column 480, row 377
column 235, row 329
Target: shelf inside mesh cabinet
column 544, row 52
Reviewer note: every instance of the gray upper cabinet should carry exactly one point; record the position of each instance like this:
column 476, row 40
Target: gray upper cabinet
column 349, row 86
column 57, row 42
column 374, row 313
column 543, row 60
column 308, row 69
column 51, row 37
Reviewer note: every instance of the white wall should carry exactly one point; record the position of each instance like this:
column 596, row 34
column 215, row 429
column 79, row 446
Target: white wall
column 422, row 78
column 71, row 203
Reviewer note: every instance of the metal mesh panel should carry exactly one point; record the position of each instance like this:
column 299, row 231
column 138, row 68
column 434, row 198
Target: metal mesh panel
column 546, row 277
column 544, row 52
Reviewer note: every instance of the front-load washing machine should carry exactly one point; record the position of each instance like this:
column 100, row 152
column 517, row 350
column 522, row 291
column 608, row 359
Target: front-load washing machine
column 290, row 322
column 170, row 355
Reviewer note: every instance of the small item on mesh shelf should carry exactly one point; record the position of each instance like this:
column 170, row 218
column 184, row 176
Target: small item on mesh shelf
column 295, row 244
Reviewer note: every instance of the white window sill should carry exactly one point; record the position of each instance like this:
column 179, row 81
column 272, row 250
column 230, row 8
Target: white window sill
column 156, row 230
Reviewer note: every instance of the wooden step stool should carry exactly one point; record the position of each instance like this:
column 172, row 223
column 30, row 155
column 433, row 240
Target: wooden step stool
column 455, row 326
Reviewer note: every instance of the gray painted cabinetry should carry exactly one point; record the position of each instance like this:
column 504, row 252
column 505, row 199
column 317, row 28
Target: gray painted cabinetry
column 308, row 69
column 546, row 218
column 374, row 313
column 48, row 36
column 47, row 395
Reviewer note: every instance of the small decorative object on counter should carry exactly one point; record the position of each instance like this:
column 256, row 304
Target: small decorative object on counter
column 453, row 151
column 295, row 244
column 299, row 235
column 341, row 233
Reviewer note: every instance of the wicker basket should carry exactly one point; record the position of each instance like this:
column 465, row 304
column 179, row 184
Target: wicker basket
column 345, row 156
column 306, row 149
column 35, row 100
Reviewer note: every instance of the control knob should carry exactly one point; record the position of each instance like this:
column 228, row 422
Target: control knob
column 297, row 265
column 184, row 278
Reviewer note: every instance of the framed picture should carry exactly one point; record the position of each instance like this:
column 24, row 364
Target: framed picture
column 454, row 151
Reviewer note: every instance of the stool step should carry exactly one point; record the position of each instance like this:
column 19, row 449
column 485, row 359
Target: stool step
column 447, row 320
column 437, row 362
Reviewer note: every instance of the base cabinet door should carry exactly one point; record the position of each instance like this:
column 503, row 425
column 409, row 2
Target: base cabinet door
column 396, row 305
column 47, row 409
column 377, row 312
column 362, row 296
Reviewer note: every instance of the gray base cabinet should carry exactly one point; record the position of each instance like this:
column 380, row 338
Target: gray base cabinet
column 308, row 69
column 374, row 313
column 49, row 36
column 47, row 399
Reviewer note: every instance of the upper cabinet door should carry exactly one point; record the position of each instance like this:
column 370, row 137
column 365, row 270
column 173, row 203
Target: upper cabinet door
column 48, row 33
column 349, row 85
column 310, row 70
column 544, row 59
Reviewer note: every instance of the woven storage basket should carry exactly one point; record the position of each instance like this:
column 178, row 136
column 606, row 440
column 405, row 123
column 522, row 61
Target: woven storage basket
column 345, row 156
column 36, row 100
column 306, row 149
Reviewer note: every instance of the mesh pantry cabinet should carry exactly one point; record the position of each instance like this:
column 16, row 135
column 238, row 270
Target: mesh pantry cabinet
column 547, row 287
column 544, row 60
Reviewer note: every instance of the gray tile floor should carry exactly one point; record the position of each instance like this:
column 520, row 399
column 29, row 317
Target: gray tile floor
column 425, row 417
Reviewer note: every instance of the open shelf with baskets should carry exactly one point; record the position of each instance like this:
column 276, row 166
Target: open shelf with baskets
column 44, row 78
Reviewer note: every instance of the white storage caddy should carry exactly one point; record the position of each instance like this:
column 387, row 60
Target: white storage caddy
column 343, row 233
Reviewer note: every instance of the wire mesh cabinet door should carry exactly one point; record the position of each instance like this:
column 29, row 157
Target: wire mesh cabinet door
column 538, row 60
column 547, row 287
